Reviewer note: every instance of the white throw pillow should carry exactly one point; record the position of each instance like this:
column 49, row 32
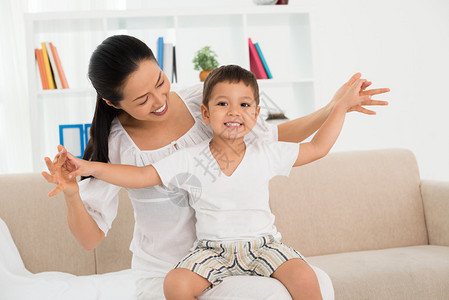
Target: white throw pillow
column 16, row 282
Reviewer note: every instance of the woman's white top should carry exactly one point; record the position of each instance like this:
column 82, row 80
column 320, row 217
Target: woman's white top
column 164, row 230
column 235, row 207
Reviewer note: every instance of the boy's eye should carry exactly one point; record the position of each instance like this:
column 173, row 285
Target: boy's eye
column 221, row 104
column 245, row 105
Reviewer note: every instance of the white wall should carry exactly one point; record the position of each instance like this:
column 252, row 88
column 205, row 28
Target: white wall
column 403, row 45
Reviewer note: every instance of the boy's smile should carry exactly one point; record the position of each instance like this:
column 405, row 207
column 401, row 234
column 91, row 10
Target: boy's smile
column 232, row 111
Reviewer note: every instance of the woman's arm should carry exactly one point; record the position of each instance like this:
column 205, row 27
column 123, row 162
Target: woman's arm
column 298, row 130
column 81, row 224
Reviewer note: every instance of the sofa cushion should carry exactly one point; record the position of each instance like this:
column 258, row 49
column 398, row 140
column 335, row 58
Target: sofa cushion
column 351, row 201
column 38, row 226
column 417, row 272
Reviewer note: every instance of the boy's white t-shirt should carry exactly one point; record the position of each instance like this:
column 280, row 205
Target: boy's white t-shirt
column 235, row 207
column 164, row 231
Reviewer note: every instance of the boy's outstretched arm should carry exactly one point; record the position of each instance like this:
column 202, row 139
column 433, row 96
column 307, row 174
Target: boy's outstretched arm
column 121, row 175
column 297, row 130
column 328, row 133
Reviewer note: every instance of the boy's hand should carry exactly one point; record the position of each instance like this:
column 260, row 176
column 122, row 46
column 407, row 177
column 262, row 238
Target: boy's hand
column 59, row 170
column 363, row 91
column 353, row 96
column 77, row 166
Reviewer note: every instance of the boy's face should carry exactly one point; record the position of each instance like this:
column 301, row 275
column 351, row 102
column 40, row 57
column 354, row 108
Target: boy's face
column 232, row 111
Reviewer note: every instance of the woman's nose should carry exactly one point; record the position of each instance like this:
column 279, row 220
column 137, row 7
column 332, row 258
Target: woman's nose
column 159, row 99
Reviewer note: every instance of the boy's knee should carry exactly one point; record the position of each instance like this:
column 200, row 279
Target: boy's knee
column 175, row 284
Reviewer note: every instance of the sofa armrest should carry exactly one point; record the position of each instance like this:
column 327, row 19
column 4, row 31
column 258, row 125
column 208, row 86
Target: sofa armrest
column 435, row 195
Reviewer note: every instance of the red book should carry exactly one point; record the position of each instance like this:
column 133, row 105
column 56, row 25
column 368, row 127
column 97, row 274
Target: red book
column 40, row 63
column 255, row 63
column 64, row 82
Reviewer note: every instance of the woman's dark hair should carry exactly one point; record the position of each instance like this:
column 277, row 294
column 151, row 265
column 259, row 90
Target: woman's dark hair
column 231, row 74
column 110, row 65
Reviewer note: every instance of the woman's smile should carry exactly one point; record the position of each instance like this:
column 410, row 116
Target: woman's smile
column 161, row 111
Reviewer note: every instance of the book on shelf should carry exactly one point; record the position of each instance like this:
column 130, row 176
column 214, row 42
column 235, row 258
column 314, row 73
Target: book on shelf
column 264, row 62
column 174, row 77
column 41, row 67
column 160, row 52
column 50, row 68
column 62, row 77
column 51, row 82
column 255, row 63
column 54, row 69
column 168, row 61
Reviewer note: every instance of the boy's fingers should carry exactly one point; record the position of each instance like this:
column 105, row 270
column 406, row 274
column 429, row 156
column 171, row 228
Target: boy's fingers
column 50, row 165
column 354, row 78
column 62, row 158
column 55, row 191
column 365, row 85
column 375, row 91
column 365, row 111
column 375, row 102
column 48, row 177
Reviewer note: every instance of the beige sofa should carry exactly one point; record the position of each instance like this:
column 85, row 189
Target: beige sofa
column 366, row 218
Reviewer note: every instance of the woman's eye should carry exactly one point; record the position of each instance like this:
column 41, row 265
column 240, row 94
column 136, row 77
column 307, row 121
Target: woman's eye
column 146, row 99
column 161, row 84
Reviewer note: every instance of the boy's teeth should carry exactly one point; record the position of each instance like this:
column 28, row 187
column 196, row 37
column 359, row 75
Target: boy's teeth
column 161, row 109
column 233, row 124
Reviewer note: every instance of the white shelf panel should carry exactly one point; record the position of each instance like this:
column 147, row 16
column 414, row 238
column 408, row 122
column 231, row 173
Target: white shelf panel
column 293, row 99
column 218, row 31
column 54, row 111
column 282, row 31
column 285, row 43
column 65, row 92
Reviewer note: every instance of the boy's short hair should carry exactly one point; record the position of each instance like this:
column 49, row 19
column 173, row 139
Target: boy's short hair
column 231, row 74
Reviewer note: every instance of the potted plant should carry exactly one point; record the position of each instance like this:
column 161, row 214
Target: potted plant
column 205, row 60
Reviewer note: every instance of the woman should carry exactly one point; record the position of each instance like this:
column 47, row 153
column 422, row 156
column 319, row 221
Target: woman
column 138, row 121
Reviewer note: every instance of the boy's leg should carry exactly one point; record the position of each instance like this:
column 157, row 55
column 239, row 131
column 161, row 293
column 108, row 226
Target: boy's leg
column 299, row 278
column 184, row 284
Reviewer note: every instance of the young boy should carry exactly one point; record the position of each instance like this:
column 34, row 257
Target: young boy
column 227, row 181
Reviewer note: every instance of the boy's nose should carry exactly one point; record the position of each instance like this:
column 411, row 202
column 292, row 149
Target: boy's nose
column 234, row 110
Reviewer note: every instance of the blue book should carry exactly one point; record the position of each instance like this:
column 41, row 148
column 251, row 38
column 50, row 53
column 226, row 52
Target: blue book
column 262, row 59
column 160, row 52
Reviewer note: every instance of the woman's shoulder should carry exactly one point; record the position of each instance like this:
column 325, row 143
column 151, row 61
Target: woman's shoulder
column 192, row 96
column 119, row 142
column 188, row 93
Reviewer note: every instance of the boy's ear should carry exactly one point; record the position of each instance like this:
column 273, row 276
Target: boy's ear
column 205, row 114
column 110, row 103
column 257, row 111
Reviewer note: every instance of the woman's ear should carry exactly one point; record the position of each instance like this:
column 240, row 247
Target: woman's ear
column 205, row 114
column 110, row 103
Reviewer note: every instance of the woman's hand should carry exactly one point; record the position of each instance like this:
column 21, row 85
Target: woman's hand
column 59, row 169
column 363, row 92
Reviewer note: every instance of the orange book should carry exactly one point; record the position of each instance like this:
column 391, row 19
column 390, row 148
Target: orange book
column 51, row 82
column 64, row 82
column 40, row 63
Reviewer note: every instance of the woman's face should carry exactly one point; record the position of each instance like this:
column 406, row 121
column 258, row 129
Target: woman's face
column 145, row 93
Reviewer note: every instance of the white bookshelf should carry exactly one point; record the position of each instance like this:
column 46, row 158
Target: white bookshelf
column 283, row 32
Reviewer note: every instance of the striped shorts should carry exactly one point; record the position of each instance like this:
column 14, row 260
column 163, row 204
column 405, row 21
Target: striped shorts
column 217, row 260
